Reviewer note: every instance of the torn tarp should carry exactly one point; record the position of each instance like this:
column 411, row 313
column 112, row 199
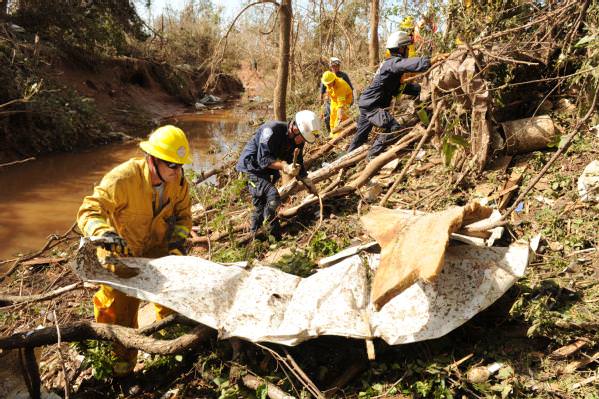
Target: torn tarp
column 266, row 304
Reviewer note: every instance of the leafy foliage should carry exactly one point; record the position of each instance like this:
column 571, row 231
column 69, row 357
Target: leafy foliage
column 99, row 356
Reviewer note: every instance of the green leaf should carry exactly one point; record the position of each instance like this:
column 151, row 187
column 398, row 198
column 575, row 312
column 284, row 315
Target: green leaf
column 423, row 116
column 587, row 39
column 507, row 389
column 457, row 140
column 505, row 372
column 179, row 358
column 219, row 381
column 262, row 391
column 447, row 150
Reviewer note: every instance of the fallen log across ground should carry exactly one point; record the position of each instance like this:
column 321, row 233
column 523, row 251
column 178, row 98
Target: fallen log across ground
column 362, row 178
column 128, row 337
column 345, row 129
column 327, row 171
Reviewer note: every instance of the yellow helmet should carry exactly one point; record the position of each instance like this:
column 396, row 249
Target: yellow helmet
column 168, row 143
column 407, row 23
column 328, row 77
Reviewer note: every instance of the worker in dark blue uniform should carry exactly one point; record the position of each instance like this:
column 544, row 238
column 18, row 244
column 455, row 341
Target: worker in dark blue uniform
column 385, row 85
column 335, row 67
column 269, row 152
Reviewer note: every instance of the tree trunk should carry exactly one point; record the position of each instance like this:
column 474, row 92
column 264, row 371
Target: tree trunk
column 3, row 6
column 280, row 95
column 373, row 48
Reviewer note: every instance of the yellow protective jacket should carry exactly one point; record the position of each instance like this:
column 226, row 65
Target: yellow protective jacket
column 123, row 203
column 341, row 96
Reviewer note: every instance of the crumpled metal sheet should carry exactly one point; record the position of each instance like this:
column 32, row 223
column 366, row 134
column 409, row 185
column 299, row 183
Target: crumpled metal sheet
column 265, row 304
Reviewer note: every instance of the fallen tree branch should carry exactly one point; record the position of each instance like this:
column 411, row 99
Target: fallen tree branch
column 329, row 145
column 327, row 171
column 49, row 244
column 272, row 391
column 424, row 138
column 128, row 337
column 371, row 169
column 13, row 299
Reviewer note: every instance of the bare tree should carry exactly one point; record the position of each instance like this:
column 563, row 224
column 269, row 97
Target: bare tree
column 373, row 48
column 280, row 95
column 3, row 5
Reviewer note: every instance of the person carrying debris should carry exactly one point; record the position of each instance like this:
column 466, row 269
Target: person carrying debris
column 340, row 96
column 271, row 151
column 335, row 67
column 142, row 207
column 384, row 86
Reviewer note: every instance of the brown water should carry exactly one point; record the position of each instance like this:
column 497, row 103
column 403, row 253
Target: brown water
column 41, row 197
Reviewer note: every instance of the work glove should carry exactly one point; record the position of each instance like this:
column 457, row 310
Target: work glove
column 291, row 169
column 310, row 186
column 115, row 244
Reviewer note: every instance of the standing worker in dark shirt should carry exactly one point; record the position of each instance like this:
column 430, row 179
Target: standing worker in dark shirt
column 270, row 151
column 335, row 67
column 385, row 85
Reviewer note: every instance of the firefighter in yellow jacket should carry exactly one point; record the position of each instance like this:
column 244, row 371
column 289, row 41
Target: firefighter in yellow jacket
column 341, row 97
column 143, row 207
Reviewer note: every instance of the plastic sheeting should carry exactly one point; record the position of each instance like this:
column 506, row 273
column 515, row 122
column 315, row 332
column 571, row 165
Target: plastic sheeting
column 266, row 304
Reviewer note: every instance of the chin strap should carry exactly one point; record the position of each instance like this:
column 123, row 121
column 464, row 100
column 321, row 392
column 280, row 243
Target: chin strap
column 157, row 169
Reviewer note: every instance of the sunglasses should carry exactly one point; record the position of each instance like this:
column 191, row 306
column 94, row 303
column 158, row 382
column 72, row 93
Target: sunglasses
column 171, row 165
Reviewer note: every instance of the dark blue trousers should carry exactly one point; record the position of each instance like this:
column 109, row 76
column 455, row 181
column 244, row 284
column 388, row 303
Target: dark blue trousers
column 327, row 115
column 380, row 118
column 266, row 200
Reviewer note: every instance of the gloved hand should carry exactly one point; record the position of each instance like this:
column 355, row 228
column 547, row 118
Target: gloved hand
column 310, row 185
column 290, row 169
column 115, row 244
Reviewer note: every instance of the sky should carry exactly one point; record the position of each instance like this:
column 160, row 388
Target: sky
column 229, row 6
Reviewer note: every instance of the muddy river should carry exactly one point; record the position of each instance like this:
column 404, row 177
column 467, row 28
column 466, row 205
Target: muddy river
column 41, row 197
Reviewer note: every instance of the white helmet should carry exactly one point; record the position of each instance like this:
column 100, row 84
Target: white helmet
column 308, row 125
column 398, row 39
column 334, row 61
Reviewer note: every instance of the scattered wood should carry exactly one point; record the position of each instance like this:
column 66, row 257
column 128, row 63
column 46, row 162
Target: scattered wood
column 13, row 299
column 513, row 183
column 272, row 391
column 425, row 137
column 43, row 261
column 569, row 350
column 571, row 367
column 564, row 146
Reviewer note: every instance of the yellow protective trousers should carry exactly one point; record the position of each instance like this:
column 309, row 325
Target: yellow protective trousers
column 111, row 306
column 341, row 96
column 124, row 202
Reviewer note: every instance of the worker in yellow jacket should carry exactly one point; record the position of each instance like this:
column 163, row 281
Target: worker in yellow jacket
column 341, row 97
column 143, row 208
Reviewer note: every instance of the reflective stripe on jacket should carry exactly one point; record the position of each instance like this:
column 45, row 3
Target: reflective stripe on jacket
column 386, row 83
column 122, row 202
